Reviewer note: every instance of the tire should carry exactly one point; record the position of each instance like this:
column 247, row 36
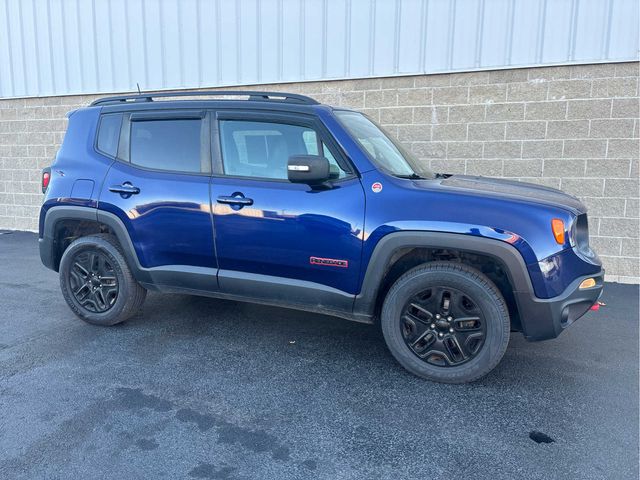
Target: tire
column 431, row 341
column 82, row 263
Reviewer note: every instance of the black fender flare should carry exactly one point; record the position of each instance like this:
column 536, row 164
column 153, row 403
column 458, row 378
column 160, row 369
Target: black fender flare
column 54, row 215
column 540, row 318
column 504, row 253
column 68, row 212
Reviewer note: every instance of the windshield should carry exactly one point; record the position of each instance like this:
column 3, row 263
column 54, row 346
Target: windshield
column 384, row 152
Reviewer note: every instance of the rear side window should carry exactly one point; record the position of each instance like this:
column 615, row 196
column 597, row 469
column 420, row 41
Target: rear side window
column 167, row 144
column 109, row 133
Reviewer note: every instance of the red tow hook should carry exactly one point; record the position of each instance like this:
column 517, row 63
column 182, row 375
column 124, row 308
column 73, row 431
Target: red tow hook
column 596, row 306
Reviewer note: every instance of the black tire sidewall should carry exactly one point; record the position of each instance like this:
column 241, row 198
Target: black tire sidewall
column 478, row 287
column 114, row 314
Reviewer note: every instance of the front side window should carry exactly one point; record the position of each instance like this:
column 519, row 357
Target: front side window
column 171, row 144
column 262, row 149
column 379, row 146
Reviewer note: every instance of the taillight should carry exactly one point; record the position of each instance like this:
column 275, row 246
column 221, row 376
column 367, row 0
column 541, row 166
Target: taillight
column 46, row 178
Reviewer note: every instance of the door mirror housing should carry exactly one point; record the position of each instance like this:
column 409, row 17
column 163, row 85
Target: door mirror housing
column 309, row 169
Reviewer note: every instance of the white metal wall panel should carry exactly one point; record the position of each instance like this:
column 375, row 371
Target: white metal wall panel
column 410, row 45
column 495, row 36
column 63, row 47
column 622, row 39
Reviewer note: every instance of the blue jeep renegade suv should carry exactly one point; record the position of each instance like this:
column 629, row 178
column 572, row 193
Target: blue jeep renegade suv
column 274, row 198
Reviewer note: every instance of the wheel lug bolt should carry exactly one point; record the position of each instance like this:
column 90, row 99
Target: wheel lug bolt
column 433, row 325
column 448, row 318
column 451, row 330
column 440, row 335
column 438, row 316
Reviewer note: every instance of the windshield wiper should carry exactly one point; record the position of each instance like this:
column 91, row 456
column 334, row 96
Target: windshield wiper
column 413, row 176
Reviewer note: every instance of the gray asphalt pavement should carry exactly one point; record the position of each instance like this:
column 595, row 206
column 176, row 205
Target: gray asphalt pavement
column 204, row 388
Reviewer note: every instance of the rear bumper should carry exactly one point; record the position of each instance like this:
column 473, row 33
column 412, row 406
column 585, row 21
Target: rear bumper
column 543, row 319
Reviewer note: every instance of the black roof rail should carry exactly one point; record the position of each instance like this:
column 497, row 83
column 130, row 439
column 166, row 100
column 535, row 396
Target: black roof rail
column 253, row 95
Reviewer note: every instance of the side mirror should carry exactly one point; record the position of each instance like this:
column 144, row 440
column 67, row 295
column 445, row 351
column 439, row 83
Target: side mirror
column 309, row 169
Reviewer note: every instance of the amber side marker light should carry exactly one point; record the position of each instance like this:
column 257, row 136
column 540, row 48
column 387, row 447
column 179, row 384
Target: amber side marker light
column 557, row 226
column 588, row 283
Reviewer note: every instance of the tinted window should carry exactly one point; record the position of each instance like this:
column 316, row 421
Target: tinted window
column 262, row 149
column 380, row 147
column 335, row 169
column 311, row 142
column 109, row 133
column 167, row 144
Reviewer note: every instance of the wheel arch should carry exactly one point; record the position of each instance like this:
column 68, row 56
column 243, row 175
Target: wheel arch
column 65, row 223
column 398, row 252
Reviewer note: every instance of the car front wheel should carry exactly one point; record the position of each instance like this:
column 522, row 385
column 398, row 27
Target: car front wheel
column 446, row 322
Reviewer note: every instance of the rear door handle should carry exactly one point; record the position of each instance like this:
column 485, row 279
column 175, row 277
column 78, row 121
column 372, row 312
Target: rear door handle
column 125, row 189
column 235, row 199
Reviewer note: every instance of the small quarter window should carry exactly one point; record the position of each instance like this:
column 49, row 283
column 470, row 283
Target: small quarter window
column 167, row 144
column 109, row 133
column 310, row 142
column 334, row 167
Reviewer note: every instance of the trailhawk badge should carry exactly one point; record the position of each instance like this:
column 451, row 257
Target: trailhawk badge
column 376, row 187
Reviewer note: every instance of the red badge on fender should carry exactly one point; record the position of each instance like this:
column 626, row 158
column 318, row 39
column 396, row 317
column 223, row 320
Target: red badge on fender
column 329, row 262
column 376, row 187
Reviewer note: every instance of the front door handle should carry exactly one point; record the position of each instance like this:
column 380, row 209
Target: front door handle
column 235, row 199
column 125, row 189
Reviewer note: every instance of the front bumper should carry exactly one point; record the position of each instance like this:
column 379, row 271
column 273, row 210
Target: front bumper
column 542, row 319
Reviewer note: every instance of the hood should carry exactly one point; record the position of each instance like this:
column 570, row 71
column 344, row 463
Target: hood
column 512, row 189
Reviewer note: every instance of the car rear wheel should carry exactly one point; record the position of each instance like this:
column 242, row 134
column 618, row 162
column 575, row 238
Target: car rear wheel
column 96, row 281
column 446, row 322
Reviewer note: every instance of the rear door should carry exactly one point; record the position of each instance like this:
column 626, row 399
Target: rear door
column 159, row 187
column 278, row 240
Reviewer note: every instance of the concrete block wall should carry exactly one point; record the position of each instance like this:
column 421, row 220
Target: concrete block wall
column 570, row 127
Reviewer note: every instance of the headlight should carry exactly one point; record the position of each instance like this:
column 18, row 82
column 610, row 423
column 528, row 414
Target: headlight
column 580, row 239
column 573, row 232
column 580, row 232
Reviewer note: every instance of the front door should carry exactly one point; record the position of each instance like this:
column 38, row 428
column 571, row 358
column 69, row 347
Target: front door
column 159, row 188
column 276, row 240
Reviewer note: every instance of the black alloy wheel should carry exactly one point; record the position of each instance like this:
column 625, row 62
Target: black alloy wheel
column 446, row 322
column 443, row 326
column 93, row 281
column 97, row 283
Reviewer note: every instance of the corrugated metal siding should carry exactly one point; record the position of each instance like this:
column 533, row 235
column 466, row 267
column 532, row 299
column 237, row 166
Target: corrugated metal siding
column 61, row 47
